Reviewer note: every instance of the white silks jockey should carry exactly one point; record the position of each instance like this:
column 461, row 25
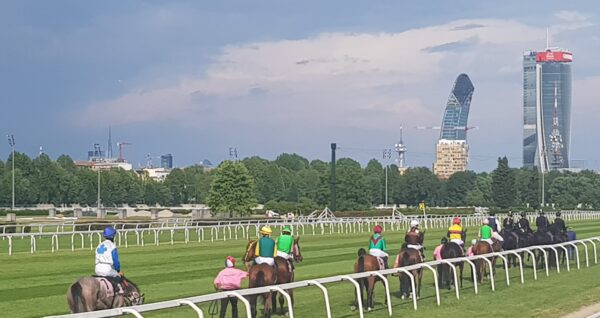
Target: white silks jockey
column 107, row 258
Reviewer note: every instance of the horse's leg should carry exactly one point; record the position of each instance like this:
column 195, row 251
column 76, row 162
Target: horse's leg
column 268, row 304
column 274, row 302
column 462, row 267
column 253, row 300
column 420, row 274
column 370, row 288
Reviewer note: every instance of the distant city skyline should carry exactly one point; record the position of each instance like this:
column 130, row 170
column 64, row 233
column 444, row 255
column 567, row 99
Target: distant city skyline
column 194, row 79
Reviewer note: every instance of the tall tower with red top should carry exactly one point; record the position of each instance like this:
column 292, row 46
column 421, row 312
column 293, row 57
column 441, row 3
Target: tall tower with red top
column 547, row 109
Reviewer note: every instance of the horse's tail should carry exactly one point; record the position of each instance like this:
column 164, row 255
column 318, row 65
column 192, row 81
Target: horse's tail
column 78, row 304
column 405, row 259
column 361, row 260
column 260, row 279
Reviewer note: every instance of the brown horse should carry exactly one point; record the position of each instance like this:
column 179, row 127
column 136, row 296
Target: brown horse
column 410, row 256
column 285, row 274
column 365, row 263
column 95, row 293
column 260, row 275
column 483, row 247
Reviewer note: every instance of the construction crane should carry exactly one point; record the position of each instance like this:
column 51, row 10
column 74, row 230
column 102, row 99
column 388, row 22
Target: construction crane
column 120, row 145
column 438, row 128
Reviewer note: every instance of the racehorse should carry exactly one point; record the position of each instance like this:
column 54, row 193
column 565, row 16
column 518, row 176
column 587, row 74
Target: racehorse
column 410, row 255
column 511, row 242
column 366, row 263
column 260, row 275
column 285, row 274
column 483, row 247
column 450, row 250
column 97, row 293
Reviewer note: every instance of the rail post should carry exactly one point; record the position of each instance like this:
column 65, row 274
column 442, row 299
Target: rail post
column 358, row 294
column 194, row 307
column 325, row 295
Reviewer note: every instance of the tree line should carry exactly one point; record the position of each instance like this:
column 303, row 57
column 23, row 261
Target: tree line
column 291, row 183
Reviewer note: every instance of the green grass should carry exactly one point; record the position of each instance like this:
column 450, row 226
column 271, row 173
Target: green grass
column 35, row 285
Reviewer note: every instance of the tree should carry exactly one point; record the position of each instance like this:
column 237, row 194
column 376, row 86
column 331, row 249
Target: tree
column 351, row 186
column 503, row 185
column 458, row 186
column 375, row 182
column 292, row 162
column 419, row 184
column 232, row 189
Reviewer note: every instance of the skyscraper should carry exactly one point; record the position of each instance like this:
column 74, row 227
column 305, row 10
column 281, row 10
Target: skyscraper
column 452, row 151
column 166, row 161
column 547, row 109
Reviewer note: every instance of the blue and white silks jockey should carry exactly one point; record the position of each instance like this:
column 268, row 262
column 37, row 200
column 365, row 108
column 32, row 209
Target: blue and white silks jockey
column 107, row 257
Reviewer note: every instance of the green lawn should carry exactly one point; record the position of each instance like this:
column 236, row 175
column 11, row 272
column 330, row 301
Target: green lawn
column 35, row 285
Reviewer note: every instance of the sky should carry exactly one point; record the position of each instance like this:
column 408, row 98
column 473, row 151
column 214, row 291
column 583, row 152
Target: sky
column 194, row 78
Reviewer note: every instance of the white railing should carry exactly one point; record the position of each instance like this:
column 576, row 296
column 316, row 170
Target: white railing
column 192, row 301
column 225, row 230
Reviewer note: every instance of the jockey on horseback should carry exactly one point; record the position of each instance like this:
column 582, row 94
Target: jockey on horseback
column 541, row 222
column 524, row 224
column 377, row 246
column 494, row 225
column 437, row 252
column 414, row 228
column 107, row 258
column 455, row 232
column 285, row 242
column 560, row 223
column 508, row 224
column 265, row 248
column 485, row 232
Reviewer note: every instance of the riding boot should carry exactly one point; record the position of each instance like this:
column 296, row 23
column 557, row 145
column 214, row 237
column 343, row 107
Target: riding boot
column 385, row 262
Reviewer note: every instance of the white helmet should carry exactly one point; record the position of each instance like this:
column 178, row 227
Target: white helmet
column 414, row 223
column 474, row 241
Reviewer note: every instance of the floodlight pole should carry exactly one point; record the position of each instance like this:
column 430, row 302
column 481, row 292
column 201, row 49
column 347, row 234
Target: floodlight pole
column 11, row 142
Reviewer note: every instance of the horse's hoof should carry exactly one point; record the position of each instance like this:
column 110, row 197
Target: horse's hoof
column 410, row 296
column 353, row 308
column 369, row 308
column 402, row 297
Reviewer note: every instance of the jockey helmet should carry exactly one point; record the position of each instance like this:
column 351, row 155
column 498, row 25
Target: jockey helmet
column 414, row 223
column 109, row 232
column 510, row 213
column 444, row 240
column 486, row 221
column 287, row 229
column 456, row 221
column 492, row 213
column 473, row 241
column 522, row 213
column 541, row 212
column 558, row 214
column 266, row 230
column 377, row 229
column 229, row 261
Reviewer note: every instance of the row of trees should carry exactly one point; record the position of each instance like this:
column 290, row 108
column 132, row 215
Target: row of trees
column 291, row 182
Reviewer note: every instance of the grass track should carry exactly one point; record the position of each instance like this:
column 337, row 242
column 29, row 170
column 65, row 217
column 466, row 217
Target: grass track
column 35, row 285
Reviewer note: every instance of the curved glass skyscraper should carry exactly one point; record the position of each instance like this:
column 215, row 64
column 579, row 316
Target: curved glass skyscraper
column 454, row 123
column 547, row 109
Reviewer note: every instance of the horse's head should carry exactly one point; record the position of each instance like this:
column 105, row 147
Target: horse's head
column 296, row 250
column 133, row 296
column 249, row 254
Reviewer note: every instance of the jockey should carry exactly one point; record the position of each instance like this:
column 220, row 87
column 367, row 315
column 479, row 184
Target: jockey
column 377, row 246
column 485, row 232
column 524, row 224
column 414, row 228
column 470, row 249
column 493, row 222
column 508, row 224
column 285, row 242
column 560, row 223
column 541, row 222
column 266, row 248
column 437, row 252
column 107, row 257
column 455, row 232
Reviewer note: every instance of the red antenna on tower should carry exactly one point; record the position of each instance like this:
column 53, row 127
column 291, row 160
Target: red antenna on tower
column 120, row 145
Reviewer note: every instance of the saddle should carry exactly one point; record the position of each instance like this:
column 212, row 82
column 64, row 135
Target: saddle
column 110, row 286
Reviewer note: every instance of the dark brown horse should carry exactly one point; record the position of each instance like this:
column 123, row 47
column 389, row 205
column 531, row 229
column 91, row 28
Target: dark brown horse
column 285, row 274
column 96, row 293
column 366, row 263
column 483, row 247
column 409, row 255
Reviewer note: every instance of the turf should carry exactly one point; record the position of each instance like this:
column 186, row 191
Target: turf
column 35, row 285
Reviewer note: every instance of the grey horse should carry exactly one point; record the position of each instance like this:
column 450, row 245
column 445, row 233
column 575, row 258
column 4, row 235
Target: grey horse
column 86, row 294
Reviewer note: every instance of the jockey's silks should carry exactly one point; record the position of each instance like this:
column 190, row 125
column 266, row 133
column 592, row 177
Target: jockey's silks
column 378, row 242
column 455, row 232
column 285, row 243
column 266, row 247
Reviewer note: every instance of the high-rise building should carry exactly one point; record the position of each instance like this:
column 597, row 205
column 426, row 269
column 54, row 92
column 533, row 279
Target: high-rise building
column 166, row 161
column 452, row 151
column 451, row 156
column 547, row 109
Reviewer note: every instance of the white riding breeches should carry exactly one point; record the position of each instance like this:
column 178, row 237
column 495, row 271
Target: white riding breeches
column 457, row 241
column 264, row 260
column 497, row 236
column 106, row 270
column 284, row 255
column 377, row 253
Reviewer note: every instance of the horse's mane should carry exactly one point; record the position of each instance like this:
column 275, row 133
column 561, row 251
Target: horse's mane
column 131, row 283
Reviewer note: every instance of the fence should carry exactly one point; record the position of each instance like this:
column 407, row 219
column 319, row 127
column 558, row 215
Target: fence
column 185, row 230
column 352, row 278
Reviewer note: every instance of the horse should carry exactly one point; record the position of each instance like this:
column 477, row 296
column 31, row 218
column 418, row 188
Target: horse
column 96, row 293
column 483, row 247
column 261, row 275
column 285, row 274
column 451, row 250
column 409, row 255
column 511, row 242
column 366, row 263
